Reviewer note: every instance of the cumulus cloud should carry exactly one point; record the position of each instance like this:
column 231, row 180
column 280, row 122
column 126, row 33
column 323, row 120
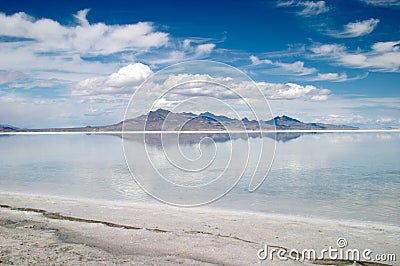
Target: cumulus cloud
column 290, row 91
column 189, row 86
column 129, row 75
column 308, row 8
column 84, row 38
column 297, row 67
column 76, row 50
column 80, row 49
column 383, row 56
column 357, row 29
column 122, row 81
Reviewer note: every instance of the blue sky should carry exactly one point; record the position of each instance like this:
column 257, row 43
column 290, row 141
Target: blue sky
column 71, row 64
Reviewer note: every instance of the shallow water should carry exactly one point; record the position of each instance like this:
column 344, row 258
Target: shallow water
column 352, row 176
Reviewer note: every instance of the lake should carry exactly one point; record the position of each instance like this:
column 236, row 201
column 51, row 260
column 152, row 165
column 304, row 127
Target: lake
column 350, row 176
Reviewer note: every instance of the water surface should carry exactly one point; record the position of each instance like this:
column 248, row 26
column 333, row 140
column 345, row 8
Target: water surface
column 352, row 176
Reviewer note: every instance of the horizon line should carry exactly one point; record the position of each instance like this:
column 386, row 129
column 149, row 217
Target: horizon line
column 201, row 132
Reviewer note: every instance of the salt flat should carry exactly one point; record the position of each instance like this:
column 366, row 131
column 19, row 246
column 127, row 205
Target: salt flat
column 37, row 229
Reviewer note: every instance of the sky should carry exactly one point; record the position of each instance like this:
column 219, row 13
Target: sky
column 65, row 63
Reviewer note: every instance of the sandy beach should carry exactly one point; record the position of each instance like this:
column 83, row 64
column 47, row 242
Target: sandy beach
column 51, row 230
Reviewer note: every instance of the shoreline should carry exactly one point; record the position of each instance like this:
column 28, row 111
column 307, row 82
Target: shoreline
column 37, row 199
column 123, row 232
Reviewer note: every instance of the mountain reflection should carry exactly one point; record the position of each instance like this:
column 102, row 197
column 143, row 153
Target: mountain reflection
column 189, row 138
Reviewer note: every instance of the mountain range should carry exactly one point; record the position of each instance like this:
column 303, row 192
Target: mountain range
column 165, row 120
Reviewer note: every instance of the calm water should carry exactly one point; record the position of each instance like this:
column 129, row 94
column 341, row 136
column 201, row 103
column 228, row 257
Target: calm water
column 352, row 176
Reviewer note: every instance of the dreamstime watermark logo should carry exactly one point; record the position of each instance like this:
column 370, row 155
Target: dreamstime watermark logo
column 340, row 252
column 190, row 111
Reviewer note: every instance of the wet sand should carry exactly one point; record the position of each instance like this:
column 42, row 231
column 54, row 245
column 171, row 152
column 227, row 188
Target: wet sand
column 52, row 230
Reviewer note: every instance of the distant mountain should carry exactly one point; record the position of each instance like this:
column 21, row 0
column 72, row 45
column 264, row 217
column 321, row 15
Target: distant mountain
column 216, row 117
column 285, row 122
column 8, row 128
column 169, row 121
column 165, row 120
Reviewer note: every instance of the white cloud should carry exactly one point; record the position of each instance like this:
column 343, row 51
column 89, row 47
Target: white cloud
column 312, row 8
column 331, row 77
column 197, row 47
column 6, row 77
column 285, row 3
column 273, row 91
column 383, row 56
column 383, row 3
column 204, row 49
column 290, row 91
column 256, row 61
column 297, row 67
column 385, row 120
column 81, row 17
column 79, row 49
column 357, row 29
column 360, row 28
column 51, row 50
column 328, row 49
column 305, row 102
column 199, row 93
column 132, row 74
column 29, row 84
column 336, row 77
column 181, row 50
column 167, row 57
column 122, row 81
column 348, row 119
column 84, row 38
column 383, row 47
column 308, row 8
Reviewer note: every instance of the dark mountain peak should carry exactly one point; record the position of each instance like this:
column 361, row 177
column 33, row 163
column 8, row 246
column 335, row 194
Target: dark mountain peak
column 216, row 117
column 8, row 126
column 286, row 122
column 207, row 114
column 159, row 113
column 246, row 120
column 189, row 114
column 286, row 118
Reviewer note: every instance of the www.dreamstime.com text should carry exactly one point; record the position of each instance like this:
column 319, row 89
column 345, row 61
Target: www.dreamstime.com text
column 341, row 252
